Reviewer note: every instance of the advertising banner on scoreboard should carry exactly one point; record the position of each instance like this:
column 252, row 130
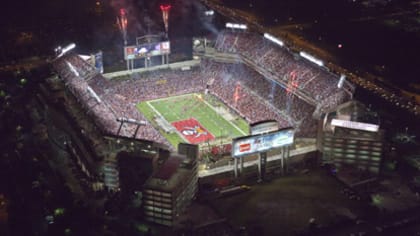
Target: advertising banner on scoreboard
column 262, row 142
column 146, row 50
column 355, row 125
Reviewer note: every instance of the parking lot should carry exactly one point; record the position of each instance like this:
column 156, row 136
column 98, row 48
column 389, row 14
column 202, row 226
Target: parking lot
column 285, row 205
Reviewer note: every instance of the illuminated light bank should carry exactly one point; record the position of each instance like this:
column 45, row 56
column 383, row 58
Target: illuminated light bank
column 311, row 58
column 66, row 49
column 341, row 81
column 273, row 39
column 209, row 13
column 236, row 26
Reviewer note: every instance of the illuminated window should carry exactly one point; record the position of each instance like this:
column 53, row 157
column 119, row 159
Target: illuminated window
column 166, row 200
column 166, row 194
column 157, row 209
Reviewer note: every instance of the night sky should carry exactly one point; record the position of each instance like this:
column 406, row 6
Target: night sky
column 386, row 46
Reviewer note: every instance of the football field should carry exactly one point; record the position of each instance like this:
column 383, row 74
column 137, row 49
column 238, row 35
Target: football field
column 193, row 118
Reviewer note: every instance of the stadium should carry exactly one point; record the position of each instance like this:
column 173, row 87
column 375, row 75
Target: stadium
column 241, row 78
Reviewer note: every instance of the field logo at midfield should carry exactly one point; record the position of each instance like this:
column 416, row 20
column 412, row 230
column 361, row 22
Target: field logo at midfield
column 193, row 131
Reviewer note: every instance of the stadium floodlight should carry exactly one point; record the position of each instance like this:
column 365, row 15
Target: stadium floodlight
column 66, row 49
column 57, row 50
column 311, row 58
column 273, row 39
column 236, row 26
column 94, row 95
column 209, row 13
column 341, row 81
column 73, row 69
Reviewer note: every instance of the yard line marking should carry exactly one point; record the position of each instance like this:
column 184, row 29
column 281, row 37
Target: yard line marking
column 154, row 109
column 236, row 127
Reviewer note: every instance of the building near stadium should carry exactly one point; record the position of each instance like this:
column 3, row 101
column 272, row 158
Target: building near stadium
column 351, row 136
column 171, row 187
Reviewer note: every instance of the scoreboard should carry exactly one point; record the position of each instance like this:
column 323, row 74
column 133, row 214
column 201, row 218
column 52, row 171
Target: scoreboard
column 262, row 142
column 146, row 50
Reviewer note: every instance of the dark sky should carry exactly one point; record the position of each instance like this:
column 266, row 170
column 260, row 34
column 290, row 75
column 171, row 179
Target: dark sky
column 367, row 45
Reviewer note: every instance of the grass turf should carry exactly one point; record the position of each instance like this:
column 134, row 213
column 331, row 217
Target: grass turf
column 194, row 106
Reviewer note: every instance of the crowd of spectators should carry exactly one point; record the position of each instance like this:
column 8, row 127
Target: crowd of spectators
column 69, row 69
column 244, row 90
column 311, row 80
column 153, row 85
column 106, row 111
column 257, row 98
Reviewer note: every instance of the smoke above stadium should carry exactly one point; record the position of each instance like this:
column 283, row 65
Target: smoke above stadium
column 142, row 17
column 205, row 19
column 145, row 17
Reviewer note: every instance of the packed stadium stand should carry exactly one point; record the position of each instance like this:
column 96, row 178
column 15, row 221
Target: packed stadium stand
column 269, row 83
column 315, row 84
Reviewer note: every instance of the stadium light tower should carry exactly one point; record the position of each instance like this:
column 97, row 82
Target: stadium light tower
column 165, row 15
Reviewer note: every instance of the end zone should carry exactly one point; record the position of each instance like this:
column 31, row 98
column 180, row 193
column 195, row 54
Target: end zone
column 193, row 131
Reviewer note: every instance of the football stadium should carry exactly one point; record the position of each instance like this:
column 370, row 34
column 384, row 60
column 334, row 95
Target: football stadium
column 237, row 79
column 245, row 79
column 244, row 105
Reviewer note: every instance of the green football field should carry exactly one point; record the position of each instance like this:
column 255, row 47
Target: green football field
column 211, row 114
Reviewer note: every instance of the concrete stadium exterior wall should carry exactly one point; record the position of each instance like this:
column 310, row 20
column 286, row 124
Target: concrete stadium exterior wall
column 299, row 159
